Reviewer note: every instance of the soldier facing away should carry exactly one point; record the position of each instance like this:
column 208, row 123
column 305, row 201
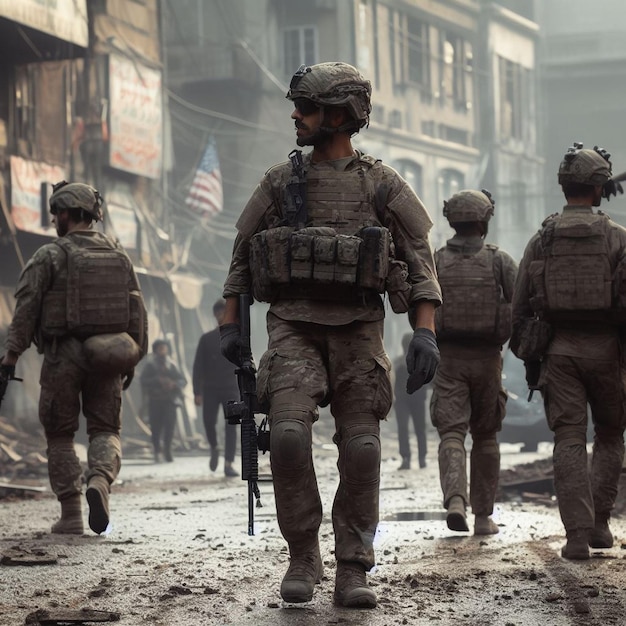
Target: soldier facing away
column 321, row 239
column 568, row 318
column 79, row 300
column 477, row 281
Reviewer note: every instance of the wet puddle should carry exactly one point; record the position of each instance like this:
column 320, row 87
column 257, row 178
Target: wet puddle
column 415, row 516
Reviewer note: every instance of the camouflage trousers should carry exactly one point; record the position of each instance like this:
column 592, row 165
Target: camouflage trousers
column 65, row 381
column 468, row 396
column 568, row 385
column 307, row 365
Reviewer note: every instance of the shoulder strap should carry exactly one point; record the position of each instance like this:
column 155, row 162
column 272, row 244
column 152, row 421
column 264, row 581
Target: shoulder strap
column 295, row 199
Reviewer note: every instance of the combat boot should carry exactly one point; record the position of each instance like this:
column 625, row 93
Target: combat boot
column 98, row 500
column 71, row 522
column 601, row 536
column 484, row 525
column 406, row 463
column 456, row 517
column 305, row 571
column 577, row 546
column 215, row 457
column 351, row 588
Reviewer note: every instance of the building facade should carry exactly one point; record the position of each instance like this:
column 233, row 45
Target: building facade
column 584, row 69
column 454, row 102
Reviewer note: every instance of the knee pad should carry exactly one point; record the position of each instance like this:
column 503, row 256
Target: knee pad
column 360, row 456
column 452, row 440
column 571, row 435
column 290, row 444
column 485, row 445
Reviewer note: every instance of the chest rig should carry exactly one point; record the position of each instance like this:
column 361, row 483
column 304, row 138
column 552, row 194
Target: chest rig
column 333, row 246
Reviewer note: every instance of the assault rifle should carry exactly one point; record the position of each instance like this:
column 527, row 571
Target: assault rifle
column 242, row 411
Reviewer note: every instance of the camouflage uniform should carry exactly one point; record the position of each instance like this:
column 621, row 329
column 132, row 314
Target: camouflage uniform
column 66, row 378
column 468, row 394
column 331, row 352
column 582, row 365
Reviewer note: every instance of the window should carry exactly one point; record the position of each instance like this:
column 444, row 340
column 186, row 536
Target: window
column 395, row 118
column 511, row 77
column 450, row 182
column 456, row 60
column 417, row 44
column 299, row 46
column 411, row 172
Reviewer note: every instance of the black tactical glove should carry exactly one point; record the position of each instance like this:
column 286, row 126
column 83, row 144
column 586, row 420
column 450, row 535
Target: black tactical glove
column 127, row 378
column 422, row 359
column 230, row 343
column 7, row 373
column 611, row 188
column 533, row 370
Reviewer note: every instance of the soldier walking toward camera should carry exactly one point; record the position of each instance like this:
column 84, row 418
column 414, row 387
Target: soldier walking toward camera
column 477, row 281
column 322, row 237
column 79, row 300
column 162, row 383
column 213, row 386
column 569, row 311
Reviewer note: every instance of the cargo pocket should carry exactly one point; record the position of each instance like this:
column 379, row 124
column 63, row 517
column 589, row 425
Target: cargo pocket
column 262, row 380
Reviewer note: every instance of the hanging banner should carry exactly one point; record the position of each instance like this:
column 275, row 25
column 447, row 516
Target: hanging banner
column 135, row 117
column 28, row 178
column 65, row 19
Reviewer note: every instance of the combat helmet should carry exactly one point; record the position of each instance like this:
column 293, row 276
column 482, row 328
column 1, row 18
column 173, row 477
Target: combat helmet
column 334, row 84
column 76, row 196
column 469, row 205
column 585, row 166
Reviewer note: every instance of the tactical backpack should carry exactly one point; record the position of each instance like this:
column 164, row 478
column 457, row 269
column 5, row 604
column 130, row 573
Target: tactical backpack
column 473, row 303
column 574, row 279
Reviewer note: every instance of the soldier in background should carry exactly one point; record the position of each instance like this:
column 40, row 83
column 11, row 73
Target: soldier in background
column 213, row 386
column 79, row 300
column 162, row 383
column 322, row 237
column 473, row 323
column 409, row 408
column 569, row 311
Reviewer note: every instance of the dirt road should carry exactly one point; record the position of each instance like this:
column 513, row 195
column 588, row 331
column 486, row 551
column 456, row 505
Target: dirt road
column 179, row 554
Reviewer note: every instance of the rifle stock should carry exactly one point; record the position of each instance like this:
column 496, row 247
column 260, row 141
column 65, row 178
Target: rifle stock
column 243, row 412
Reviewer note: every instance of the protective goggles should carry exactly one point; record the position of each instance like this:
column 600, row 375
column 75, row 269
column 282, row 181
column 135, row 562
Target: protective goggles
column 305, row 106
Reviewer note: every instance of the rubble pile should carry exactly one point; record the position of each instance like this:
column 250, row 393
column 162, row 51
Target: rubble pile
column 534, row 482
column 23, row 462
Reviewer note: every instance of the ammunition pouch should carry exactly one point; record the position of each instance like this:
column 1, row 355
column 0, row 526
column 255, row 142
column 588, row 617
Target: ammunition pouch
column 315, row 260
column 397, row 286
column 534, row 338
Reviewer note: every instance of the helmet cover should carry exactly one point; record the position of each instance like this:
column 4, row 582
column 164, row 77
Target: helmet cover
column 76, row 196
column 585, row 166
column 469, row 205
column 334, row 84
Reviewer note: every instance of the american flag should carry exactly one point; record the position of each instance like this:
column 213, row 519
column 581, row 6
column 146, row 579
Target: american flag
column 205, row 195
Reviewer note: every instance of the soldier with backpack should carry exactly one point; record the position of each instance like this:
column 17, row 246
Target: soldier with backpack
column 569, row 311
column 79, row 301
column 472, row 324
